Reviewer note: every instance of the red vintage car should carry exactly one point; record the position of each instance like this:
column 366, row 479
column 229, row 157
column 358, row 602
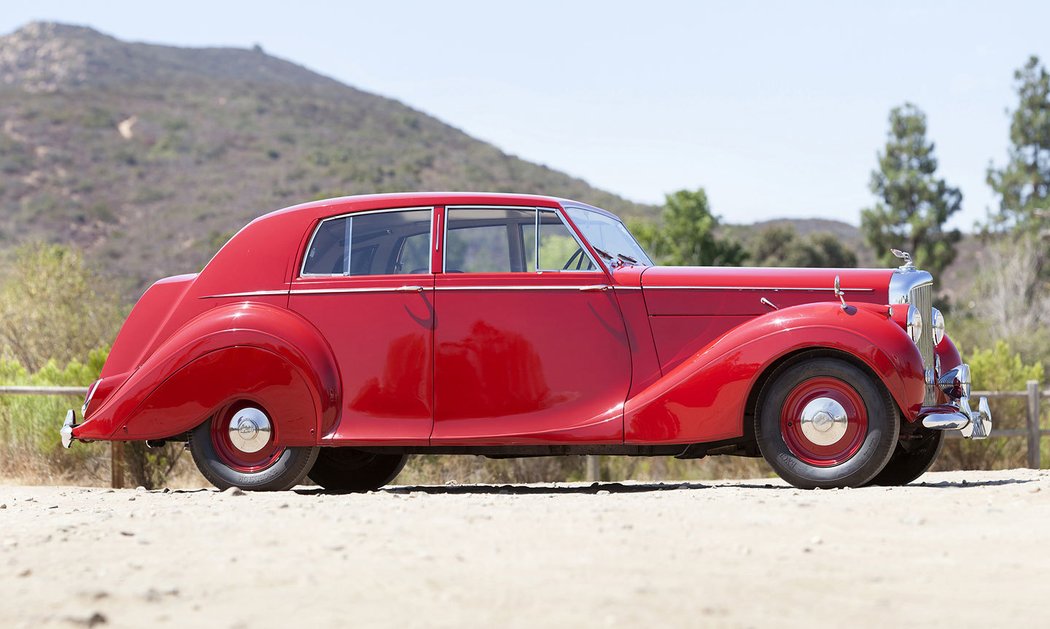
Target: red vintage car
column 333, row 339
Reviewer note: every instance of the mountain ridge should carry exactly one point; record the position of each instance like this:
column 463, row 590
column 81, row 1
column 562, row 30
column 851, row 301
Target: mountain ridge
column 149, row 156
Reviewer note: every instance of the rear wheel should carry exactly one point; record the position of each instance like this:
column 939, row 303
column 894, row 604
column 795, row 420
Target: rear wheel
column 824, row 422
column 236, row 448
column 347, row 469
column 911, row 458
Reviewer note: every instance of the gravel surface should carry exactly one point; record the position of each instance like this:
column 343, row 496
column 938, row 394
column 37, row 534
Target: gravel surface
column 960, row 549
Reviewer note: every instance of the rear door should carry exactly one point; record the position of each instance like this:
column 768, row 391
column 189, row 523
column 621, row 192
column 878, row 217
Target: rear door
column 365, row 282
column 530, row 346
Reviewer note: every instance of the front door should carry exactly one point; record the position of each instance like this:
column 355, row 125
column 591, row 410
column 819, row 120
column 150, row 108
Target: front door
column 530, row 346
column 366, row 284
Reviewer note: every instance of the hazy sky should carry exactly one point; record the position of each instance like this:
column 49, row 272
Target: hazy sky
column 777, row 109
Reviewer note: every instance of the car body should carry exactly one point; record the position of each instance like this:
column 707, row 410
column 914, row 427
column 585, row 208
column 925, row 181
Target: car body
column 345, row 334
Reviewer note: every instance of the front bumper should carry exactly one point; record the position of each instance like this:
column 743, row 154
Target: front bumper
column 958, row 415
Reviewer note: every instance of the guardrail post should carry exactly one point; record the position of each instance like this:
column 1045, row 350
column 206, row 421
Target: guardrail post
column 116, row 464
column 594, row 468
column 1033, row 424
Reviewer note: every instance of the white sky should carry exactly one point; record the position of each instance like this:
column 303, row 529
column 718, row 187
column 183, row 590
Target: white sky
column 777, row 109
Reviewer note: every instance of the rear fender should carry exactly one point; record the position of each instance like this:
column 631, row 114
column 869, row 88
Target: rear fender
column 239, row 351
column 704, row 399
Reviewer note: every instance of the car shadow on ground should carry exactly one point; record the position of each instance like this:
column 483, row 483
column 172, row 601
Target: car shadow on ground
column 628, row 488
column 593, row 488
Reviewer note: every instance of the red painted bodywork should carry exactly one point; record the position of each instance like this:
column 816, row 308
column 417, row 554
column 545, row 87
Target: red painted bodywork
column 643, row 355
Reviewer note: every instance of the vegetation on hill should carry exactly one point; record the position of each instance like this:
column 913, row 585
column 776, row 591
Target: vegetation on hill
column 150, row 157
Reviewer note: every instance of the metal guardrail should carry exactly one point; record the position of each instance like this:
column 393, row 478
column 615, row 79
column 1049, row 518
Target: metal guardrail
column 1032, row 429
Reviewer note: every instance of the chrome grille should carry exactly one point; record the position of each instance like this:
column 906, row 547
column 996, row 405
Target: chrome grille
column 922, row 298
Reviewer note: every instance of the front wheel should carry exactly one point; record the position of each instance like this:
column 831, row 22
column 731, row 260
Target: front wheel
column 824, row 422
column 236, row 448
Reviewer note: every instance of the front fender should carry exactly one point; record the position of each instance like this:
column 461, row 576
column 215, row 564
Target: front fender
column 704, row 399
column 247, row 350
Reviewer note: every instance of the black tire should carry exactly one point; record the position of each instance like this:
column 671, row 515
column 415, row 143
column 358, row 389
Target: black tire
column 911, row 458
column 348, row 469
column 287, row 470
column 872, row 424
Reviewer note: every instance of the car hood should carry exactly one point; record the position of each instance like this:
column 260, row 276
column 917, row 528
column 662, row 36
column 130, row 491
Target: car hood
column 741, row 291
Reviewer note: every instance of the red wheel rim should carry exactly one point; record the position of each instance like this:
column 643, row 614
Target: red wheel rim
column 234, row 457
column 821, row 390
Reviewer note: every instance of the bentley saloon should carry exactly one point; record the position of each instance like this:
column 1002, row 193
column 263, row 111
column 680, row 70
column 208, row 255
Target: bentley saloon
column 332, row 340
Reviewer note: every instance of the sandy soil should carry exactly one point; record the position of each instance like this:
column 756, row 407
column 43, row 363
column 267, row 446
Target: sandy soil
column 963, row 548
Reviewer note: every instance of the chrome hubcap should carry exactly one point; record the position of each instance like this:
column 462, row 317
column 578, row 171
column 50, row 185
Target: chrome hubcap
column 249, row 430
column 823, row 421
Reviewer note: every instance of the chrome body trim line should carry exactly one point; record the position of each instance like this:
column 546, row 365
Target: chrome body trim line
column 515, row 288
column 412, row 289
column 772, row 288
column 253, row 293
column 376, row 289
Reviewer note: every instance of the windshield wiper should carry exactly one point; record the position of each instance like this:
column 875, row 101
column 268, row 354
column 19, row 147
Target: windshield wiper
column 627, row 258
column 605, row 254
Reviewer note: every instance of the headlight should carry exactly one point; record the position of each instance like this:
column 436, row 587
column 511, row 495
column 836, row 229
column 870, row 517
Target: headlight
column 938, row 326
column 914, row 324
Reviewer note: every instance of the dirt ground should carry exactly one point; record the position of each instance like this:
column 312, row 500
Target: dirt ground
column 960, row 549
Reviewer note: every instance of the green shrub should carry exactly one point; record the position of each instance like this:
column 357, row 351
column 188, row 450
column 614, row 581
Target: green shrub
column 999, row 368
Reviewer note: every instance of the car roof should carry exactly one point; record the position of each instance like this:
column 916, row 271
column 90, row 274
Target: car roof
column 365, row 202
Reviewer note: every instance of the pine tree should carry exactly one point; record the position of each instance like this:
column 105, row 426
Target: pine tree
column 913, row 204
column 1023, row 185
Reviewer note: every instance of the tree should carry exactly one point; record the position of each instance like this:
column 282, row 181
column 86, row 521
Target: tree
column 913, row 203
column 780, row 245
column 689, row 234
column 1023, row 185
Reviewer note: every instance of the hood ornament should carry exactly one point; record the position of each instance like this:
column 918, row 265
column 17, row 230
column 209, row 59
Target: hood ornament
column 904, row 255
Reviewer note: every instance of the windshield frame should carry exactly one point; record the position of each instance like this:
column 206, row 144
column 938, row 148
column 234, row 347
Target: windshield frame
column 645, row 260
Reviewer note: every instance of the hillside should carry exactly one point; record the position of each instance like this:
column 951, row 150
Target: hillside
column 149, row 157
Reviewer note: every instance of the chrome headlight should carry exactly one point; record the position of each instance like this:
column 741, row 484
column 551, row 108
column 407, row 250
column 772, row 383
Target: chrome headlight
column 938, row 326
column 914, row 324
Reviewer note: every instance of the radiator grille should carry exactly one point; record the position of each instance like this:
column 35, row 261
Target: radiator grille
column 922, row 298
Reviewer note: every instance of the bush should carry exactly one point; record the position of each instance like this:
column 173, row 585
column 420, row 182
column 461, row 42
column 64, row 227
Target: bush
column 29, row 425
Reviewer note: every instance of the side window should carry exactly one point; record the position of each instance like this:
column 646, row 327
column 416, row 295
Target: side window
column 486, row 240
column 327, row 253
column 380, row 243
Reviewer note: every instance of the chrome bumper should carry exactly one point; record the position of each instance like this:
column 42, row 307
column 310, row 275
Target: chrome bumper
column 972, row 424
column 958, row 415
column 67, row 428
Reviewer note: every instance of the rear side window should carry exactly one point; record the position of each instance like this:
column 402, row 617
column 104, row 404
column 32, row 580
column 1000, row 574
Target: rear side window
column 380, row 243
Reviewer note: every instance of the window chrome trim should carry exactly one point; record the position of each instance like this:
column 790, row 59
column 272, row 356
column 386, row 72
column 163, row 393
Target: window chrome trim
column 346, row 257
column 536, row 209
column 769, row 288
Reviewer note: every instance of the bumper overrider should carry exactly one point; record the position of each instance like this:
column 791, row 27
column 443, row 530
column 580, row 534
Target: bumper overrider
column 67, row 428
column 957, row 414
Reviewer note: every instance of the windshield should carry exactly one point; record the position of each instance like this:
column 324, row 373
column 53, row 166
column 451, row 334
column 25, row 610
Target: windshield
column 609, row 235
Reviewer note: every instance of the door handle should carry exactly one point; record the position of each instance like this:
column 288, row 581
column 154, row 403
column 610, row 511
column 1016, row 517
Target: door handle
column 595, row 287
column 408, row 289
